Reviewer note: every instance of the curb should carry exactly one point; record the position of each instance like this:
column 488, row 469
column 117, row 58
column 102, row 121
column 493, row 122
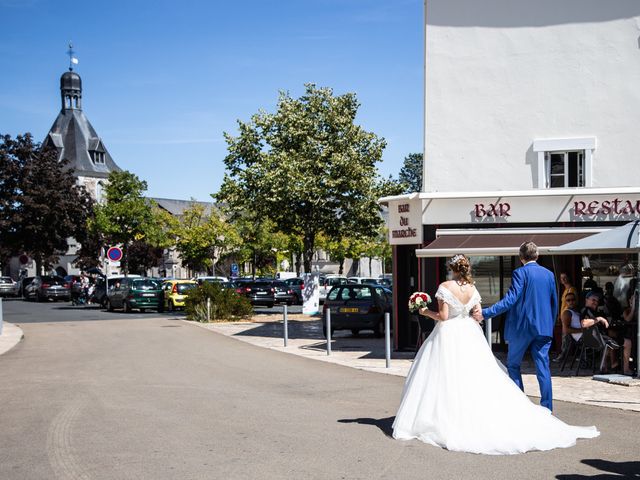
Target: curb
column 11, row 336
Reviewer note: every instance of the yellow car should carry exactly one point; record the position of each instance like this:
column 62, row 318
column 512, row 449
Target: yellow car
column 176, row 292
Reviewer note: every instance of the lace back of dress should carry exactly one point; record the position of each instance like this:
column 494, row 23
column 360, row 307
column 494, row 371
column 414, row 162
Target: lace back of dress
column 456, row 308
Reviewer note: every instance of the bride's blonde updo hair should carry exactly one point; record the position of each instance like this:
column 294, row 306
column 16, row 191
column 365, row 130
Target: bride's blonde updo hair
column 460, row 266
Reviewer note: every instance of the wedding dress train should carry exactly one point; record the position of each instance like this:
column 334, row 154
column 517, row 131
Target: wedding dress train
column 459, row 397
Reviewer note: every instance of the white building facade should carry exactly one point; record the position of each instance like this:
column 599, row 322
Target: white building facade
column 531, row 110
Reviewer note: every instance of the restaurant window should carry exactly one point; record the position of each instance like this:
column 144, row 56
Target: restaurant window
column 486, row 275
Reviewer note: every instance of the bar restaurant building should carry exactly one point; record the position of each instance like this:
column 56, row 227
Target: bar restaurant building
column 531, row 127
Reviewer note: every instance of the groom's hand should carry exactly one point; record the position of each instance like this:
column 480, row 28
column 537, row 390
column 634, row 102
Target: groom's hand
column 476, row 313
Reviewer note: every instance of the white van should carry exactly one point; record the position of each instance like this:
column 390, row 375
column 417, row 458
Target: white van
column 367, row 280
column 201, row 280
column 328, row 282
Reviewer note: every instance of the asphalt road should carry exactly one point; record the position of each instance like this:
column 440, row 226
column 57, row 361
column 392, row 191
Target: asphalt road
column 96, row 395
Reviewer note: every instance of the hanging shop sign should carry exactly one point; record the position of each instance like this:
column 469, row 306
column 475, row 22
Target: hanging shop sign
column 405, row 222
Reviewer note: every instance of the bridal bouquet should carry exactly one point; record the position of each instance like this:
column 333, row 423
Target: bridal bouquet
column 418, row 300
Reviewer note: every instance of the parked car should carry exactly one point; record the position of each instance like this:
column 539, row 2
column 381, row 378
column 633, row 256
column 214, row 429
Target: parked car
column 176, row 292
column 102, row 287
column 259, row 292
column 48, row 287
column 283, row 292
column 297, row 285
column 9, row 288
column 328, row 282
column 135, row 293
column 385, row 282
column 357, row 307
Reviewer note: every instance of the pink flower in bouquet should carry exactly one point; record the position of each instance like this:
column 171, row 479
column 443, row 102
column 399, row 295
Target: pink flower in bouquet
column 418, row 300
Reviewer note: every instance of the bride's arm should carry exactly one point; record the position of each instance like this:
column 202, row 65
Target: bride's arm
column 441, row 314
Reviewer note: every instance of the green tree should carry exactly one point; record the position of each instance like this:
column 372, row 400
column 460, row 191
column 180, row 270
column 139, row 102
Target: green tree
column 127, row 215
column 202, row 237
column 308, row 167
column 143, row 256
column 411, row 173
column 260, row 242
column 10, row 173
column 90, row 247
column 41, row 205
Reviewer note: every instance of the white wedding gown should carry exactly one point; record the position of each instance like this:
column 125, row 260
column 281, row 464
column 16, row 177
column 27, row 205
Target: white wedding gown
column 459, row 397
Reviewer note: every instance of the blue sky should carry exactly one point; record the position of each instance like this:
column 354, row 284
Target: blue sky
column 163, row 80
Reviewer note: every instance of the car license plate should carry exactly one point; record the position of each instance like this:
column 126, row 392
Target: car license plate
column 261, row 293
column 148, row 294
column 349, row 310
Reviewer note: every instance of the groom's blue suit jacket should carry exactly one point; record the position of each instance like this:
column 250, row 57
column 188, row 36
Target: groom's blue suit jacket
column 531, row 303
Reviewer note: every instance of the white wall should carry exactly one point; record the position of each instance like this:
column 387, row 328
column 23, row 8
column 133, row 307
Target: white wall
column 503, row 73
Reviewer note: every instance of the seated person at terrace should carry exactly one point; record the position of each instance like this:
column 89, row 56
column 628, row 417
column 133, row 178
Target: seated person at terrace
column 571, row 326
column 589, row 318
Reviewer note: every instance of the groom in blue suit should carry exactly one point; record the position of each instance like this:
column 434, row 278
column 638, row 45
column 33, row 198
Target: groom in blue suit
column 531, row 305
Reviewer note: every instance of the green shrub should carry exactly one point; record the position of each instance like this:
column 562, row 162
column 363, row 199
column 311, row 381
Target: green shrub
column 226, row 304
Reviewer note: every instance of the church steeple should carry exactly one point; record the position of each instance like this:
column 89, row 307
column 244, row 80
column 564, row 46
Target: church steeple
column 71, row 85
column 75, row 139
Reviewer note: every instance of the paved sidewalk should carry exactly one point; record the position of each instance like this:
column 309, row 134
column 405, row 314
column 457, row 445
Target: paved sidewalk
column 11, row 336
column 367, row 353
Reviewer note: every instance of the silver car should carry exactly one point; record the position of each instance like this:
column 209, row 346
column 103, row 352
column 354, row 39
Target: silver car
column 9, row 288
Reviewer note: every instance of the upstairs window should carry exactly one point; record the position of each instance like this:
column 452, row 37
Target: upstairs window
column 565, row 162
column 564, row 169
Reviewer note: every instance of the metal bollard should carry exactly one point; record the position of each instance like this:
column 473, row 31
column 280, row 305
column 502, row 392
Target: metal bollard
column 208, row 309
column 487, row 326
column 1, row 319
column 387, row 338
column 286, row 324
column 328, row 331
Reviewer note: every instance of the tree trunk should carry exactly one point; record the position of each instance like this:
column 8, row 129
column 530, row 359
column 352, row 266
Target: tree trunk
column 308, row 244
column 38, row 260
column 253, row 266
column 124, row 263
column 298, row 264
column 341, row 269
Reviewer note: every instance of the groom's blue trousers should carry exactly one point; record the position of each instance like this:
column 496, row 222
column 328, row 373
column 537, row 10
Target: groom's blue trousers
column 540, row 353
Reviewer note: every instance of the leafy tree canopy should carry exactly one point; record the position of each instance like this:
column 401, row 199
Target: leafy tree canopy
column 201, row 237
column 127, row 215
column 411, row 173
column 307, row 167
column 41, row 205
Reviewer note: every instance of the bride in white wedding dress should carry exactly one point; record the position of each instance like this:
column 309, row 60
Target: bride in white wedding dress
column 459, row 397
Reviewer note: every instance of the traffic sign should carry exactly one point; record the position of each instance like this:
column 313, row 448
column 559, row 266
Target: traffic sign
column 114, row 254
column 234, row 269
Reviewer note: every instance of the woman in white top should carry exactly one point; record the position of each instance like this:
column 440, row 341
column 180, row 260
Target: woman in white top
column 459, row 397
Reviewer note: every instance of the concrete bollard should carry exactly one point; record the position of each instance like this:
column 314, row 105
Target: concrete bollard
column 328, row 331
column 286, row 324
column 387, row 339
column 487, row 326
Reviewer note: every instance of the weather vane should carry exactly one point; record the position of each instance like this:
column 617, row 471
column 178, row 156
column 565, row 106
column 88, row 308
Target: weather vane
column 72, row 57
